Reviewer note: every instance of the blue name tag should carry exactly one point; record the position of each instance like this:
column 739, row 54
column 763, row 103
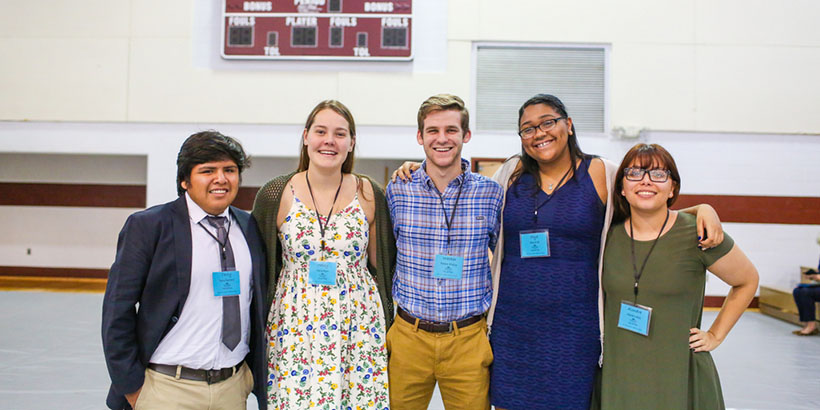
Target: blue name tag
column 226, row 283
column 448, row 267
column 535, row 244
column 635, row 318
column 322, row 273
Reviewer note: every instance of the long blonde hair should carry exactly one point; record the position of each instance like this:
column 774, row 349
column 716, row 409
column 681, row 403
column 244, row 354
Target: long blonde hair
column 339, row 108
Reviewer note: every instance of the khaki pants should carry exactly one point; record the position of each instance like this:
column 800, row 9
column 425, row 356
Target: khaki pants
column 163, row 392
column 458, row 361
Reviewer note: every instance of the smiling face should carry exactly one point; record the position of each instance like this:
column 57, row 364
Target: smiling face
column 626, row 193
column 328, row 141
column 213, row 185
column 647, row 195
column 549, row 146
column 443, row 138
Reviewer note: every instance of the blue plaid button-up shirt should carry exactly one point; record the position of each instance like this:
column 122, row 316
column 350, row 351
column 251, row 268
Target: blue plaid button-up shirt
column 418, row 212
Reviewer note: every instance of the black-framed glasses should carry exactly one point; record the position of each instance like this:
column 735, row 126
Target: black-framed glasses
column 545, row 126
column 655, row 175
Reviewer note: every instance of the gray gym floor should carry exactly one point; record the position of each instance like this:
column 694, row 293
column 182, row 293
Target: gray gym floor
column 51, row 357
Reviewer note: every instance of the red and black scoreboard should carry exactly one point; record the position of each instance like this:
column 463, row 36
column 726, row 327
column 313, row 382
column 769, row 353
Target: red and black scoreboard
column 317, row 30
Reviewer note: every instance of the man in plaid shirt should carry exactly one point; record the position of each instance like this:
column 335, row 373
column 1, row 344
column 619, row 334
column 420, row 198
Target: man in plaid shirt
column 445, row 219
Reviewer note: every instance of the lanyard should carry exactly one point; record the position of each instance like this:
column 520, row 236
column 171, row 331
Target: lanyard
column 221, row 245
column 449, row 220
column 632, row 243
column 329, row 213
column 549, row 197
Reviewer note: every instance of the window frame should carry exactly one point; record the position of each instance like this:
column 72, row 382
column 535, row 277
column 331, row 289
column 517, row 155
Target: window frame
column 606, row 47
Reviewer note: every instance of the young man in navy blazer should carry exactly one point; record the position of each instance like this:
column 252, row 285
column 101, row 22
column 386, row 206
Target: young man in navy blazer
column 182, row 324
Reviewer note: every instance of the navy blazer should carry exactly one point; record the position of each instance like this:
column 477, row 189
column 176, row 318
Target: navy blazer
column 147, row 288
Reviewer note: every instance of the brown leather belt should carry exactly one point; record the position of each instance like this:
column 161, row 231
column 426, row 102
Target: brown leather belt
column 437, row 327
column 209, row 376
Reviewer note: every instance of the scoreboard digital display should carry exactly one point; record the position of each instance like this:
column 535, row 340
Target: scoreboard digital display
column 317, row 30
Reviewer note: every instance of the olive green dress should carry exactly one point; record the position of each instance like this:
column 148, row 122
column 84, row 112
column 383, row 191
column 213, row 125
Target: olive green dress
column 658, row 371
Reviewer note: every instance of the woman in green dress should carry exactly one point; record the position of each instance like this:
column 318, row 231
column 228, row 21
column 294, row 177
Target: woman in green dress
column 655, row 353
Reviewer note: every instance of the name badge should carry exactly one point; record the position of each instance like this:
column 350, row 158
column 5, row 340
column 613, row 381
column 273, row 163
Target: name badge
column 226, row 283
column 635, row 318
column 535, row 244
column 322, row 273
column 448, row 267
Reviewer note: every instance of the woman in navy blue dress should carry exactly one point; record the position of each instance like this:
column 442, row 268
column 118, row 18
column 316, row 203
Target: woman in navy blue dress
column 546, row 332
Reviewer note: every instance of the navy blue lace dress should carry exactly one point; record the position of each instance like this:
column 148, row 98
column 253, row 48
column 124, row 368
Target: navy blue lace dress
column 545, row 334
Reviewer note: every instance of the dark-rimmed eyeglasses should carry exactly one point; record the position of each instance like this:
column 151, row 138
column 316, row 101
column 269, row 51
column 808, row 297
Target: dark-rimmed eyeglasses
column 544, row 126
column 655, row 175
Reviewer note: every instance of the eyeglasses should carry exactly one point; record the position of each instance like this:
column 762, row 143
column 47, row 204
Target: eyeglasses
column 545, row 126
column 655, row 175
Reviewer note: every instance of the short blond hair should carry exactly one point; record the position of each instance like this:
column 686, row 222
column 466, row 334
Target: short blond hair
column 444, row 102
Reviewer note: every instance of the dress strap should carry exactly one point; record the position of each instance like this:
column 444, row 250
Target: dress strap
column 583, row 169
column 293, row 193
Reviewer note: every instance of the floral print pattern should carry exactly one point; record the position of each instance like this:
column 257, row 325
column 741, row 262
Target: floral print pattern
column 326, row 343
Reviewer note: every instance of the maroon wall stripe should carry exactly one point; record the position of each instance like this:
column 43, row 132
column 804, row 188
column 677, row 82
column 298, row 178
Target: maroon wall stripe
column 245, row 197
column 83, row 195
column 717, row 301
column 53, row 272
column 759, row 209
column 731, row 208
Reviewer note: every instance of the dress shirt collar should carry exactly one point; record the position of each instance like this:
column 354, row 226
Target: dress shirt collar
column 421, row 175
column 197, row 214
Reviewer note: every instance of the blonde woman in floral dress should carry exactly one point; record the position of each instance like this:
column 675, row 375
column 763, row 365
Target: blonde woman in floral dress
column 326, row 325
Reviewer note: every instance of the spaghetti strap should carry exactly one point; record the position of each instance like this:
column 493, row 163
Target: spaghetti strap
column 583, row 169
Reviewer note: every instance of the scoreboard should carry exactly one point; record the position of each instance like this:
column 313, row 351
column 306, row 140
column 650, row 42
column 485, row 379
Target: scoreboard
column 317, row 30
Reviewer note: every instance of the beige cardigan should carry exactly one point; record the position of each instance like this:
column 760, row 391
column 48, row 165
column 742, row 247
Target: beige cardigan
column 502, row 176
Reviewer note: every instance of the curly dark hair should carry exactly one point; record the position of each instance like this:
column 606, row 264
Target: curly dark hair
column 208, row 146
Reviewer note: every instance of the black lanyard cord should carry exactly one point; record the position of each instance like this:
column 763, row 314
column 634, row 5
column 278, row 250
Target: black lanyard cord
column 452, row 217
column 638, row 273
column 316, row 208
column 221, row 245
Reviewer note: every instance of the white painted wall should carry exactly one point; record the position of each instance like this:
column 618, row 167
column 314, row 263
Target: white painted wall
column 72, row 169
column 692, row 65
column 60, row 237
column 71, row 237
column 710, row 163
column 728, row 86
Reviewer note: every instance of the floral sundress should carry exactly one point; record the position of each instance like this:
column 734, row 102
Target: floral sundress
column 326, row 343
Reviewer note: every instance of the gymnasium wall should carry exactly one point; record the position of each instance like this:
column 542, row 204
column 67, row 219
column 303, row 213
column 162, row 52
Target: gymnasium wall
column 101, row 93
